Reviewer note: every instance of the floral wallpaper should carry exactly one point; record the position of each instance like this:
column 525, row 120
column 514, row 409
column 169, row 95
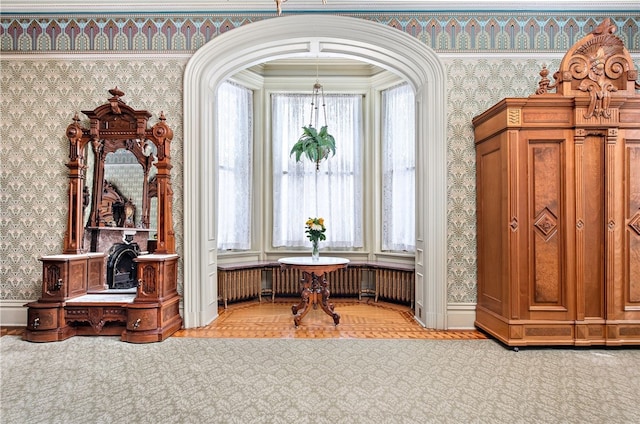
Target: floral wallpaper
column 474, row 86
column 41, row 92
column 39, row 100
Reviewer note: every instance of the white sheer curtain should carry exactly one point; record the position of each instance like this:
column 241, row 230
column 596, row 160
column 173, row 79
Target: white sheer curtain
column 335, row 191
column 235, row 160
column 398, row 169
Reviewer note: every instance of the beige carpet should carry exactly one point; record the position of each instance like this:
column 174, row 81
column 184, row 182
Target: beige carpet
column 201, row 380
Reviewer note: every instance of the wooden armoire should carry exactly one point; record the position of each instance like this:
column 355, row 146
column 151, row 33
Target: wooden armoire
column 558, row 204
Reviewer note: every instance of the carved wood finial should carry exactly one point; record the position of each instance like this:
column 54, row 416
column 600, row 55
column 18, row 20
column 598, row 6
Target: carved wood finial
column 116, row 92
column 545, row 83
column 114, row 101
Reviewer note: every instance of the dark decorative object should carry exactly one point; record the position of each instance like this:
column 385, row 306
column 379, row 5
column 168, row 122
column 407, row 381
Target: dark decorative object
column 115, row 210
column 121, row 266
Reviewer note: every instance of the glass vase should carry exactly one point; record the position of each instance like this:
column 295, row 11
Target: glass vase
column 315, row 253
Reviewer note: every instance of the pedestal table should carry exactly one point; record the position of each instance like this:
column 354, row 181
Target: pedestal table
column 314, row 288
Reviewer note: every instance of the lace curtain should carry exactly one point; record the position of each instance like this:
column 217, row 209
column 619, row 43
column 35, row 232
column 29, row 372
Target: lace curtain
column 335, row 191
column 398, row 169
column 234, row 135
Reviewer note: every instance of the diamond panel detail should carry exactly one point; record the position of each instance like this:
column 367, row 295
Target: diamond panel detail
column 546, row 223
column 635, row 222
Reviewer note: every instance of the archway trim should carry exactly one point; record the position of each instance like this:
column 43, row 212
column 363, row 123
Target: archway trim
column 329, row 36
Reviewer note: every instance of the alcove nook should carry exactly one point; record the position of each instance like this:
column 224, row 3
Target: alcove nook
column 293, row 37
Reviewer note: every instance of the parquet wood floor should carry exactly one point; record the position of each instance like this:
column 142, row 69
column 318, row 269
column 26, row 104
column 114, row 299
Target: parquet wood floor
column 363, row 319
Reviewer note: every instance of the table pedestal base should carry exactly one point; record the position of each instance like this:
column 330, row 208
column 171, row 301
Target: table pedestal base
column 315, row 292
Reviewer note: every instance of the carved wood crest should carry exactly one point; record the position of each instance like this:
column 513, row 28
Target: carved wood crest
column 598, row 67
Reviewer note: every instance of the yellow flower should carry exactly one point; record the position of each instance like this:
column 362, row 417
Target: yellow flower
column 315, row 229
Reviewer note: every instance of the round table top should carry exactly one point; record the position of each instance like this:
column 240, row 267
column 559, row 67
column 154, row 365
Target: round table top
column 309, row 261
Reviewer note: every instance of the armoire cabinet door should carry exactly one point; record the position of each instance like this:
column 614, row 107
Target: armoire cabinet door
column 594, row 173
column 493, row 270
column 548, row 199
column 547, row 287
column 623, row 282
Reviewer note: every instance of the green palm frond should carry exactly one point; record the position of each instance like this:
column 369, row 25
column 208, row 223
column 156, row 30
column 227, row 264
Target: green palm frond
column 315, row 145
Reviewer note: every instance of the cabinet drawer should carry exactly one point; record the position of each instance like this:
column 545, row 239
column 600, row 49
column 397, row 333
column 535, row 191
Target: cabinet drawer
column 42, row 319
column 142, row 319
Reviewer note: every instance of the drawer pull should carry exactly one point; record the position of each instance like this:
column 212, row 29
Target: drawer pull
column 58, row 285
column 36, row 322
column 137, row 323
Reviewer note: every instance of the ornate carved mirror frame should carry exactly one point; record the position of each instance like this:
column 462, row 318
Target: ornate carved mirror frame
column 113, row 126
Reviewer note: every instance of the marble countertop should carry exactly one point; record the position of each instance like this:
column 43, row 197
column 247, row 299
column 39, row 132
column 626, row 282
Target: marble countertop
column 308, row 260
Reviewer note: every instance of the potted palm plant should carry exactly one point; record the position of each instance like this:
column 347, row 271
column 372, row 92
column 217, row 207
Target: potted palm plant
column 315, row 145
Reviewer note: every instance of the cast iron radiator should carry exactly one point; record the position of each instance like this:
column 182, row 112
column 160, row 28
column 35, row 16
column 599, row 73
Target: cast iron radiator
column 342, row 282
column 394, row 284
column 239, row 284
column 242, row 281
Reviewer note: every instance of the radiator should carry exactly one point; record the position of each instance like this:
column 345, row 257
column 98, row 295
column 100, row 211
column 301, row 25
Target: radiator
column 342, row 282
column 239, row 284
column 395, row 285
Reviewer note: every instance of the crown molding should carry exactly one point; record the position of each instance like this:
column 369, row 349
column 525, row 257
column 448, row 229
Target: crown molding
column 192, row 6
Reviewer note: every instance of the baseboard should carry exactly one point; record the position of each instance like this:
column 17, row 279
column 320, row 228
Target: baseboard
column 461, row 316
column 13, row 313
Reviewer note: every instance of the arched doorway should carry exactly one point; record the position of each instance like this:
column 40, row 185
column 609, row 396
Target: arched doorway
column 333, row 36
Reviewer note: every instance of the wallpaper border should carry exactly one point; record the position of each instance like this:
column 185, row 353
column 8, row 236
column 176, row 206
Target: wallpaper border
column 160, row 32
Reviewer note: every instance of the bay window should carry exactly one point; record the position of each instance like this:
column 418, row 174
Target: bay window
column 334, row 192
column 235, row 161
column 295, row 191
column 398, row 169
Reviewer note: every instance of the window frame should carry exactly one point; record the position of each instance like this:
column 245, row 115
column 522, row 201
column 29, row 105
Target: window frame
column 368, row 85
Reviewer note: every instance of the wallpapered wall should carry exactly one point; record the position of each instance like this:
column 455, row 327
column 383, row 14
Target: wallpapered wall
column 497, row 57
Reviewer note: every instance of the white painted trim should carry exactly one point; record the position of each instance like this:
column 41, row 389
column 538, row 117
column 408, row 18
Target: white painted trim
column 13, row 313
column 461, row 316
column 154, row 6
column 292, row 37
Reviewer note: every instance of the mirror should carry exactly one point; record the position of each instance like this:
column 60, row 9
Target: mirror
column 87, row 192
column 121, row 198
column 122, row 190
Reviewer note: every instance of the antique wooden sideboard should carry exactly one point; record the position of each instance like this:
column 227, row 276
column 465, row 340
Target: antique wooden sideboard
column 106, row 244
column 558, row 204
